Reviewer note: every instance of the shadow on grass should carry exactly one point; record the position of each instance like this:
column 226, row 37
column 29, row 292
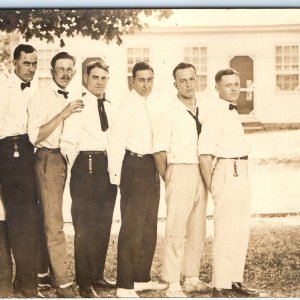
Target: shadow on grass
column 272, row 266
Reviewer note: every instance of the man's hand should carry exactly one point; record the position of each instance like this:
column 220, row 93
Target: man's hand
column 72, row 107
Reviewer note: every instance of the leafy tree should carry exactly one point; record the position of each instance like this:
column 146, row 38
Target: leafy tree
column 106, row 24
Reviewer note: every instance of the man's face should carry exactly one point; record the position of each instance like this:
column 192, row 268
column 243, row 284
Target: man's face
column 25, row 66
column 185, row 83
column 143, row 82
column 229, row 88
column 63, row 72
column 97, row 81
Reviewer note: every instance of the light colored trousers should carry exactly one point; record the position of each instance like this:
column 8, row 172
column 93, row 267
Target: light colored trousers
column 186, row 199
column 50, row 170
column 231, row 196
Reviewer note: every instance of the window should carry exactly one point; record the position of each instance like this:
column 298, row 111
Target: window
column 44, row 65
column 198, row 57
column 135, row 55
column 287, row 68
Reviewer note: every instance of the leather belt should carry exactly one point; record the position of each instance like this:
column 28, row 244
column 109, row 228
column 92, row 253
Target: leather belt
column 236, row 158
column 16, row 137
column 128, row 152
column 93, row 152
column 53, row 150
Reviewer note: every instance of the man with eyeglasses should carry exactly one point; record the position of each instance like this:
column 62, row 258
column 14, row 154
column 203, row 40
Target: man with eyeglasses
column 132, row 167
column 48, row 109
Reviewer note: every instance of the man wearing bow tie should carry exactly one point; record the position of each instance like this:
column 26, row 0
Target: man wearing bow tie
column 48, row 109
column 84, row 144
column 222, row 139
column 17, row 173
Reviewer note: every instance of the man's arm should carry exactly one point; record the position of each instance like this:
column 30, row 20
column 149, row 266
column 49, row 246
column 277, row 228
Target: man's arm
column 46, row 129
column 205, row 166
column 161, row 163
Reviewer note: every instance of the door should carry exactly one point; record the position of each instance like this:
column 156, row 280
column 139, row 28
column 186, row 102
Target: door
column 244, row 65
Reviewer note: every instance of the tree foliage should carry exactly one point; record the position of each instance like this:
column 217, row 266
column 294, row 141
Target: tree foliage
column 106, row 24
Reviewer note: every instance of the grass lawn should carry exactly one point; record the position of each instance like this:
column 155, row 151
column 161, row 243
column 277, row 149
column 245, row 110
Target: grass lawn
column 273, row 260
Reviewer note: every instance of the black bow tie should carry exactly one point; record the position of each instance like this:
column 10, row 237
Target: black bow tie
column 65, row 93
column 232, row 106
column 24, row 85
column 102, row 114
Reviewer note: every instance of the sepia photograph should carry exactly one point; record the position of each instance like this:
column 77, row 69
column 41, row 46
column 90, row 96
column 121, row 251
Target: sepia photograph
column 150, row 152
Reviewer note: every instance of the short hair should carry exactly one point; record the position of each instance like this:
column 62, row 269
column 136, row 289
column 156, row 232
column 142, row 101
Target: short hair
column 23, row 48
column 182, row 66
column 62, row 55
column 96, row 64
column 228, row 71
column 140, row 66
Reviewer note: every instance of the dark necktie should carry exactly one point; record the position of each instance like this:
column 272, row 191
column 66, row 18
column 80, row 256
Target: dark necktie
column 198, row 124
column 232, row 106
column 102, row 114
column 65, row 93
column 24, row 85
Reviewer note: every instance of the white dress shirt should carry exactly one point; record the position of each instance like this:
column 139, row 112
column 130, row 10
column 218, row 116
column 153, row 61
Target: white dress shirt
column 130, row 130
column 82, row 131
column 222, row 133
column 175, row 132
column 2, row 211
column 45, row 104
column 13, row 107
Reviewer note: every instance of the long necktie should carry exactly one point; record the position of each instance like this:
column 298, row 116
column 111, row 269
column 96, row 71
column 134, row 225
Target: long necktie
column 198, row 124
column 65, row 93
column 102, row 114
column 24, row 85
column 232, row 106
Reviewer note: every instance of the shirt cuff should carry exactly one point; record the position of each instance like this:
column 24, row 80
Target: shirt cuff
column 159, row 148
column 33, row 135
column 115, row 179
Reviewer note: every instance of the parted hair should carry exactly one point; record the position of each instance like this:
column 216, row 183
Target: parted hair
column 23, row 48
column 182, row 66
column 141, row 66
column 228, row 71
column 96, row 64
column 62, row 55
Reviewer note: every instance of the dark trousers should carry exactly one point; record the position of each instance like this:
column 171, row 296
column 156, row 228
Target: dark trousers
column 6, row 271
column 93, row 202
column 20, row 202
column 140, row 190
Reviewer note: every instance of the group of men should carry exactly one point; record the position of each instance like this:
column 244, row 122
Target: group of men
column 131, row 147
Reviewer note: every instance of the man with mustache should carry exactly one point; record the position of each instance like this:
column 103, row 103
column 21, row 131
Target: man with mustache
column 17, row 175
column 132, row 167
column 84, row 143
column 48, row 109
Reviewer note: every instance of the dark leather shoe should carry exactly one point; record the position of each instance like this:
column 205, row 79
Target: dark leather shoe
column 223, row 293
column 28, row 293
column 103, row 283
column 244, row 291
column 87, row 292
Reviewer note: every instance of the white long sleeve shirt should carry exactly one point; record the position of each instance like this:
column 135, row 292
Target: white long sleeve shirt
column 175, row 133
column 131, row 130
column 222, row 133
column 82, row 131
column 45, row 104
column 13, row 107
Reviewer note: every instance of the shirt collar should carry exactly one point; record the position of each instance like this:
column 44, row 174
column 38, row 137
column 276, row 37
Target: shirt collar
column 93, row 97
column 139, row 98
column 180, row 105
column 16, row 79
column 224, row 103
column 55, row 88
